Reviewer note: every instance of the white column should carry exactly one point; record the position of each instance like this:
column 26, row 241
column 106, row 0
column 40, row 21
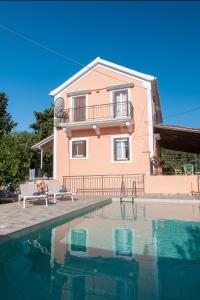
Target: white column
column 41, row 159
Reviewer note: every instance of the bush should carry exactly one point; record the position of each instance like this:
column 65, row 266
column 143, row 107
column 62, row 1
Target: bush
column 15, row 156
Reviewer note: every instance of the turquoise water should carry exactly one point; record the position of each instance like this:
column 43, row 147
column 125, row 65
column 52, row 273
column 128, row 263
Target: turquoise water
column 120, row 251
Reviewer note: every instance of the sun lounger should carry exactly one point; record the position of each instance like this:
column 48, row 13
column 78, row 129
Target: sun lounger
column 55, row 189
column 29, row 191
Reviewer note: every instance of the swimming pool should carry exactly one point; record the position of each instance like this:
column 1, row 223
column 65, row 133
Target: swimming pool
column 120, row 251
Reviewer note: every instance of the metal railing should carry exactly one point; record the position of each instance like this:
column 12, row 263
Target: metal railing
column 97, row 112
column 104, row 185
column 177, row 165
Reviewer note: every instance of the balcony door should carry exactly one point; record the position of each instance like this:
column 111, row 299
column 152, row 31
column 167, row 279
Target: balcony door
column 120, row 103
column 79, row 108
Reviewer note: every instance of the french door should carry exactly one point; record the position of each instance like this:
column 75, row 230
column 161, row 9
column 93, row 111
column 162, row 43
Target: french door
column 120, row 103
column 79, row 108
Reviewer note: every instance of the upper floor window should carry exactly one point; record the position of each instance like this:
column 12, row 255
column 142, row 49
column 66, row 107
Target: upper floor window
column 120, row 100
column 121, row 149
column 79, row 149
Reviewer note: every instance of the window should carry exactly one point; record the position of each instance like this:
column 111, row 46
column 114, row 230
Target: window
column 79, row 149
column 123, row 242
column 120, row 99
column 121, row 149
column 79, row 240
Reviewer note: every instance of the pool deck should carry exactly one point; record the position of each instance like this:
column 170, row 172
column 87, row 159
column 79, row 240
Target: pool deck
column 13, row 218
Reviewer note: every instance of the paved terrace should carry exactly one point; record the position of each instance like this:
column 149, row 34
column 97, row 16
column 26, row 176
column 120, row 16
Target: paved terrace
column 14, row 218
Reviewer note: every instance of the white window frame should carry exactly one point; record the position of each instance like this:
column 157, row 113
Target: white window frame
column 72, row 106
column 130, row 149
column 118, row 90
column 76, row 140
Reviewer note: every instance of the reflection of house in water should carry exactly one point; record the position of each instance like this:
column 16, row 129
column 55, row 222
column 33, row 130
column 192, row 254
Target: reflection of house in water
column 121, row 252
column 95, row 255
column 178, row 259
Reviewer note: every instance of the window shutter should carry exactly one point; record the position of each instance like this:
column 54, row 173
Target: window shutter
column 79, row 108
column 73, row 149
column 84, row 148
column 115, row 150
column 128, row 149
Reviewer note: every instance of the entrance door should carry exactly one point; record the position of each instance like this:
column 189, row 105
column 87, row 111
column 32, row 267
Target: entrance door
column 79, row 108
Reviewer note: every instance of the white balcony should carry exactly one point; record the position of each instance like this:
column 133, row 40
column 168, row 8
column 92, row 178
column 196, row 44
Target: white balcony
column 96, row 117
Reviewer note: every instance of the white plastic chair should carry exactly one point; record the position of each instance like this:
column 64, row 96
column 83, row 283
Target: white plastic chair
column 55, row 189
column 29, row 191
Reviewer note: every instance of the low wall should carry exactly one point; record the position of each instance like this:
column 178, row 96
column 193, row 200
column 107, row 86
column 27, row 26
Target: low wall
column 171, row 184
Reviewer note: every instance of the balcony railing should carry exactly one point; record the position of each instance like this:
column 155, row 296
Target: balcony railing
column 97, row 112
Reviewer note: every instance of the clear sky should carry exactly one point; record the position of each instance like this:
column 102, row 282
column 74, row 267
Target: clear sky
column 156, row 38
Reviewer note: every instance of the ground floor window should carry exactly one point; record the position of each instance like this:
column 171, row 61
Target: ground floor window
column 79, row 149
column 121, row 149
column 123, row 242
column 79, row 240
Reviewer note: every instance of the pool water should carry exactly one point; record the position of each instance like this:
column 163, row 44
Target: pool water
column 123, row 251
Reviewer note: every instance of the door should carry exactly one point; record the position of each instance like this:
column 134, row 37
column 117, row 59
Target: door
column 120, row 103
column 79, row 108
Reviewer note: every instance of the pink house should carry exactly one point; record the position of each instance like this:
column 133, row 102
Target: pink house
column 108, row 124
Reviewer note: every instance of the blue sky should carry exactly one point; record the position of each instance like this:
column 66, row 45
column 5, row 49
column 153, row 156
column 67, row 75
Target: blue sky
column 157, row 38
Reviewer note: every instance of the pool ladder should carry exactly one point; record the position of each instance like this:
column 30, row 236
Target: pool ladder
column 37, row 245
column 123, row 194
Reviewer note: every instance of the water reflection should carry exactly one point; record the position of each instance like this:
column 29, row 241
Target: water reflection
column 121, row 251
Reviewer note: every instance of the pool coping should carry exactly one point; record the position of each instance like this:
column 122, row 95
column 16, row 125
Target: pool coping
column 160, row 200
column 64, row 217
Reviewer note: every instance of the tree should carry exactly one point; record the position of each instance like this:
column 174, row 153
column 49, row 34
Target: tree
column 6, row 122
column 43, row 125
column 15, row 157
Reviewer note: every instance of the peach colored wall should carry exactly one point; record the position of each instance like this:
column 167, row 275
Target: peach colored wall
column 170, row 184
column 99, row 161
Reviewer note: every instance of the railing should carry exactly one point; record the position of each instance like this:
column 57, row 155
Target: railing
column 104, row 185
column 177, row 165
column 97, row 112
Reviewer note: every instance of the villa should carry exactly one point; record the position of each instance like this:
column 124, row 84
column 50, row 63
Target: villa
column 108, row 129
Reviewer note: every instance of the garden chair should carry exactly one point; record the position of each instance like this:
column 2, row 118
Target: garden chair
column 178, row 172
column 188, row 169
column 55, row 189
column 29, row 191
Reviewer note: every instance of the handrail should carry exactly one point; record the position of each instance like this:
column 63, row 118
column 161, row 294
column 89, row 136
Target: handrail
column 98, row 105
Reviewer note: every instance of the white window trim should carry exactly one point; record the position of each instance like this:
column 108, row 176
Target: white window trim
column 72, row 106
column 130, row 149
column 118, row 90
column 87, row 149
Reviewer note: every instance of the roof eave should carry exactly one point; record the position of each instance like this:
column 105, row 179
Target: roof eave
column 102, row 62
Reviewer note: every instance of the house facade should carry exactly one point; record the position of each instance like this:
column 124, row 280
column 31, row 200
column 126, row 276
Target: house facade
column 103, row 123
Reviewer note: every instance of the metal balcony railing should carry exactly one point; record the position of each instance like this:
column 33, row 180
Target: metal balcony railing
column 97, row 112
